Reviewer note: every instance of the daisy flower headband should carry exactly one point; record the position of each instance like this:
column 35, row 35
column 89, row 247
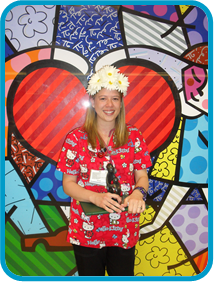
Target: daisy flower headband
column 108, row 77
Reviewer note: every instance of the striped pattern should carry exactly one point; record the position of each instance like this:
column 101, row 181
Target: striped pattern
column 143, row 31
column 38, row 263
column 176, row 194
column 149, row 104
column 48, row 103
column 52, row 216
column 201, row 261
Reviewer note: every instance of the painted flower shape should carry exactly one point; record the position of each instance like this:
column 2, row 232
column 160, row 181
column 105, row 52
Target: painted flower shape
column 173, row 156
column 157, row 256
column 167, row 236
column 148, row 216
column 161, row 169
column 32, row 22
column 181, row 255
column 147, row 241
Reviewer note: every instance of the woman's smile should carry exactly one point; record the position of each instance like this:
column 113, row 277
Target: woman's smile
column 107, row 112
column 107, row 104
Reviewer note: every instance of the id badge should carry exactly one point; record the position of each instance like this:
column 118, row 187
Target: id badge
column 98, row 177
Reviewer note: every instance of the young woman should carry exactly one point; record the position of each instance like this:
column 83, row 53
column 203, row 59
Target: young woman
column 105, row 241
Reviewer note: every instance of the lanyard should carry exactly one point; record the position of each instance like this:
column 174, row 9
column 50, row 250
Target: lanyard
column 101, row 154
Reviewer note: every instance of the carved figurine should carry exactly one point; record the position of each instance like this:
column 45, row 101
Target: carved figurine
column 113, row 185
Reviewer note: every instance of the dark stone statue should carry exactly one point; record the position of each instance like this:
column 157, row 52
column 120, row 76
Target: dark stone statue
column 113, row 185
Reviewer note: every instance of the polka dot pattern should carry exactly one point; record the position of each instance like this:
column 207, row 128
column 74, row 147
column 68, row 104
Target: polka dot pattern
column 167, row 12
column 160, row 10
column 191, row 224
column 50, row 181
column 198, row 19
column 194, row 165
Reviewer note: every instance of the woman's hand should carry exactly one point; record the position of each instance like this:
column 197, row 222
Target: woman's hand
column 102, row 200
column 107, row 202
column 135, row 202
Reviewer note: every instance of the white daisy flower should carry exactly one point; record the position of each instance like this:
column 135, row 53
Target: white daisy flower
column 109, row 84
column 95, row 84
column 109, row 73
column 91, row 90
column 96, row 79
column 122, row 83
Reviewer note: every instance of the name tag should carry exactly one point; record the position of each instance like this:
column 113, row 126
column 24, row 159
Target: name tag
column 98, row 177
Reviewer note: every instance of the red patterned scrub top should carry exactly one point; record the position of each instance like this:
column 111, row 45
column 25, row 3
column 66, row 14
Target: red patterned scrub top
column 78, row 158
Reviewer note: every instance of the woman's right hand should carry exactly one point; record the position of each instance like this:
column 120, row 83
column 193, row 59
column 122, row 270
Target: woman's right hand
column 107, row 202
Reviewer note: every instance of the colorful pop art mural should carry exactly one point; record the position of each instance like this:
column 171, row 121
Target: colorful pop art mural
column 50, row 52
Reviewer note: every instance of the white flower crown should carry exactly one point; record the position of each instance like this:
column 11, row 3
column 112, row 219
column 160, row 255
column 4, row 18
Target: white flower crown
column 108, row 77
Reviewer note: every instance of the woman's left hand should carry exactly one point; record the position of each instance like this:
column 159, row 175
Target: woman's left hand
column 134, row 202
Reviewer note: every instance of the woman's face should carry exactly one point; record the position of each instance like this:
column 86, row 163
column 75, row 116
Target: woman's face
column 107, row 104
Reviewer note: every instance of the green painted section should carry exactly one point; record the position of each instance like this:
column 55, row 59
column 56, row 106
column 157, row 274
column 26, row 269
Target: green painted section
column 38, row 263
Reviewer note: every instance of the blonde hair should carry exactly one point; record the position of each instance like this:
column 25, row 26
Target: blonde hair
column 121, row 131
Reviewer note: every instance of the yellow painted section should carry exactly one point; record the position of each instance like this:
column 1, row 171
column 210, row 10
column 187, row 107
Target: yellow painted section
column 161, row 255
column 165, row 165
column 184, row 8
column 147, row 216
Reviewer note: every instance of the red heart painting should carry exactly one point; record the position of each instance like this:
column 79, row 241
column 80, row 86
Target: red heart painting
column 48, row 103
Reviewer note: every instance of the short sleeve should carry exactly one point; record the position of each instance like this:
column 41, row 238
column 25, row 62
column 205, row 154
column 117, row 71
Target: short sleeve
column 142, row 158
column 69, row 157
